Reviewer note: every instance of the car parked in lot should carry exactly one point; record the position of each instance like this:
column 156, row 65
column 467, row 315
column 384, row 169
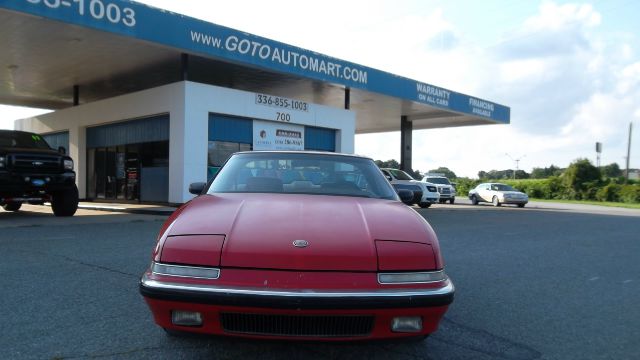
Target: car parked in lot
column 428, row 192
column 34, row 173
column 497, row 194
column 297, row 245
column 446, row 189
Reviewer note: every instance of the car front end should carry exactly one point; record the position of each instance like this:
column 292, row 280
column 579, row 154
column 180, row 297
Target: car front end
column 323, row 263
column 293, row 277
column 220, row 306
column 514, row 198
column 430, row 193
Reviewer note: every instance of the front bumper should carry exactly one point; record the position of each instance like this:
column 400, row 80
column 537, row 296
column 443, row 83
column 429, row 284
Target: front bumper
column 430, row 197
column 213, row 302
column 300, row 299
column 16, row 185
column 514, row 201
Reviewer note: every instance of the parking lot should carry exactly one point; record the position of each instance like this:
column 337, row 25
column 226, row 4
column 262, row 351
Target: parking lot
column 544, row 282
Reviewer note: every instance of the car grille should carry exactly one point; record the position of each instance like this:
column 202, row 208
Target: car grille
column 297, row 325
column 445, row 191
column 35, row 163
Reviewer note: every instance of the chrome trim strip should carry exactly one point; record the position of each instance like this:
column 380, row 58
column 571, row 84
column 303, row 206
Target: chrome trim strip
column 185, row 267
column 447, row 289
column 439, row 272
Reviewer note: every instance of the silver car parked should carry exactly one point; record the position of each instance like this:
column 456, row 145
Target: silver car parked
column 497, row 194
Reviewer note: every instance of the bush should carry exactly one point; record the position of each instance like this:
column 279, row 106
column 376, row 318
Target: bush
column 580, row 180
column 556, row 188
column 535, row 188
column 463, row 185
column 630, row 194
column 610, row 192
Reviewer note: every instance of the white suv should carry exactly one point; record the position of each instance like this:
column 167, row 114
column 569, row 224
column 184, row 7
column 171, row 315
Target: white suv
column 446, row 190
column 428, row 194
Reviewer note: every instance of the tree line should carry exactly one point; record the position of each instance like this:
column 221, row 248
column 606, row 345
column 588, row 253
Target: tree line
column 581, row 180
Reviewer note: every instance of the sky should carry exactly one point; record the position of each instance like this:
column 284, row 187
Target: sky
column 569, row 71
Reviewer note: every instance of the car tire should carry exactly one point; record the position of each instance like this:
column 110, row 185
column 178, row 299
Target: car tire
column 495, row 201
column 451, row 201
column 521, row 205
column 65, row 203
column 424, row 205
column 474, row 200
column 12, row 206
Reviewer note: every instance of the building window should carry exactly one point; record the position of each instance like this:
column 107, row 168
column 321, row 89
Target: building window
column 219, row 152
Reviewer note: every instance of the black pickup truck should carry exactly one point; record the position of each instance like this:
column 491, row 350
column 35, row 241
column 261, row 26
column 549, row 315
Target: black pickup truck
column 32, row 172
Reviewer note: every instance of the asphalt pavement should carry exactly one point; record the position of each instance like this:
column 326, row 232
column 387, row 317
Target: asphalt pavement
column 532, row 283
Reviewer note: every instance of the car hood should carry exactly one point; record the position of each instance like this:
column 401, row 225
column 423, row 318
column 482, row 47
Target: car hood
column 29, row 151
column 512, row 193
column 410, row 182
column 260, row 229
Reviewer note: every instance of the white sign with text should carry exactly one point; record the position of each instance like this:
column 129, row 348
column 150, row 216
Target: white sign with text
column 269, row 135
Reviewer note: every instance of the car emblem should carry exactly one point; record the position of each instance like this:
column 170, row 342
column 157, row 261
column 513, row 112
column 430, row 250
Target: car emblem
column 37, row 163
column 300, row 243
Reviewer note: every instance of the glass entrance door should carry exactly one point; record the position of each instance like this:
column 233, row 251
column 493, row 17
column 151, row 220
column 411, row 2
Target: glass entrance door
column 100, row 172
column 113, row 173
column 132, row 172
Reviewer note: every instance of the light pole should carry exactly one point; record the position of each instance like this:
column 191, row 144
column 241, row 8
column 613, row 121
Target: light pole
column 517, row 161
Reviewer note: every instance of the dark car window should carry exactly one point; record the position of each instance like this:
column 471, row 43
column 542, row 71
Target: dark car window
column 15, row 139
column 400, row 175
column 438, row 180
column 321, row 174
column 501, row 187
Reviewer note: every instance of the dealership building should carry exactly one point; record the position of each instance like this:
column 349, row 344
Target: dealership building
column 147, row 101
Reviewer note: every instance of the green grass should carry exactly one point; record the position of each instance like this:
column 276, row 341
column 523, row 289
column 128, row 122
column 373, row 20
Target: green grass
column 601, row 203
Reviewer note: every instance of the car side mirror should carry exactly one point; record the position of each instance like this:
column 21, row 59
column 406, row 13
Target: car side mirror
column 197, row 188
column 406, row 196
column 62, row 150
column 388, row 177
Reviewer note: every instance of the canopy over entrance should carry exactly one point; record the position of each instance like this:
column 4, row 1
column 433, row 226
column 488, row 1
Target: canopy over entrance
column 57, row 52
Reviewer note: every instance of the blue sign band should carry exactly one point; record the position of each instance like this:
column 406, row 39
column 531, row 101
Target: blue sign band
column 191, row 35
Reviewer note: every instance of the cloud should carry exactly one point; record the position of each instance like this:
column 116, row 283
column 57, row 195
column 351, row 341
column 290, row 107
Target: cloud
column 567, row 83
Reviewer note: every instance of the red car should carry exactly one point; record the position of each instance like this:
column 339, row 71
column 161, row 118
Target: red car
column 297, row 245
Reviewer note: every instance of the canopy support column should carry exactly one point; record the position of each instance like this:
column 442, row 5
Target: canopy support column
column 347, row 98
column 406, row 132
column 184, row 67
column 76, row 95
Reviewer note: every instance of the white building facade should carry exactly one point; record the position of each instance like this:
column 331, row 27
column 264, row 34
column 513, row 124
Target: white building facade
column 148, row 146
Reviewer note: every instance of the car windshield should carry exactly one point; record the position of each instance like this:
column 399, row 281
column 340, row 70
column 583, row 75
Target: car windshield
column 302, row 173
column 400, row 175
column 438, row 180
column 16, row 139
column 501, row 187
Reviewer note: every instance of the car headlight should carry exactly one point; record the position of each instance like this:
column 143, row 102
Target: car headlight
column 68, row 164
column 2, row 160
column 432, row 189
column 185, row 271
column 412, row 277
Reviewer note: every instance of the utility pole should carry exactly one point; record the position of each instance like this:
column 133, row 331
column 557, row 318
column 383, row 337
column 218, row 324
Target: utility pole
column 517, row 161
column 628, row 153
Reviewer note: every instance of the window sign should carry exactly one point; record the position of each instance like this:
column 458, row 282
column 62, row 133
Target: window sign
column 269, row 135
